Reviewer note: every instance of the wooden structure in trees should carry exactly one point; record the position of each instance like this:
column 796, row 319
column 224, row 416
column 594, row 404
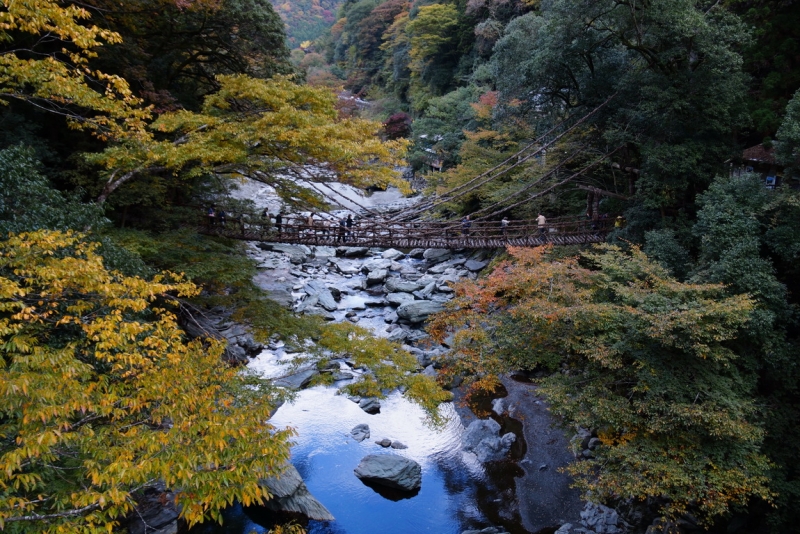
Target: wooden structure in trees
column 385, row 233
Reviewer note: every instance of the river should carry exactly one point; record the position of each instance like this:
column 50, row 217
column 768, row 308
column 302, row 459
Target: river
column 458, row 493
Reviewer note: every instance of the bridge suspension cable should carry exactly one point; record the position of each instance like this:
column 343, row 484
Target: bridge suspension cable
column 544, row 191
column 538, row 194
column 491, row 174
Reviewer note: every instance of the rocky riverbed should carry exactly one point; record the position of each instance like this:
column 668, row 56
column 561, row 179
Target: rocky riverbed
column 467, row 467
column 472, row 475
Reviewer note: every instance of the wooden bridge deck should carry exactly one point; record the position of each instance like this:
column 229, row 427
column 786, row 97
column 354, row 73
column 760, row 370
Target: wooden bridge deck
column 418, row 234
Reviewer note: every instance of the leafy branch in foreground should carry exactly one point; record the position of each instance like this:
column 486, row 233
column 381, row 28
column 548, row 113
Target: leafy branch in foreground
column 641, row 358
column 102, row 395
column 54, row 74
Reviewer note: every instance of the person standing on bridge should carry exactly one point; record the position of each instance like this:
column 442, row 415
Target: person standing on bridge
column 349, row 224
column 310, row 223
column 465, row 225
column 279, row 221
column 341, row 236
column 504, row 227
column 541, row 222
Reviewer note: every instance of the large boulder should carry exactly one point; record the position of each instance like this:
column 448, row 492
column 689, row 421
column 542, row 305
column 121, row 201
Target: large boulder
column 439, row 268
column 360, row 432
column 290, row 494
column 297, row 253
column 475, row 266
column 397, row 285
column 426, row 291
column 343, row 267
column 398, row 335
column 317, row 290
column 200, row 325
column 600, row 519
column 313, row 287
column 483, row 438
column 391, row 471
column 377, row 277
column 352, row 252
column 371, row 405
column 374, row 264
column 398, row 299
column 391, row 254
column 155, row 512
column 327, row 301
column 235, row 355
column 297, row 380
column 308, row 303
column 437, row 255
column 419, row 310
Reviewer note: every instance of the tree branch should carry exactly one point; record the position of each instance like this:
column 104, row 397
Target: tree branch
column 113, row 183
column 59, row 515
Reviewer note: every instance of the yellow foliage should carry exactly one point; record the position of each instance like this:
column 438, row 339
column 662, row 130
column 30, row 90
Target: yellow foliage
column 58, row 80
column 266, row 129
column 102, row 395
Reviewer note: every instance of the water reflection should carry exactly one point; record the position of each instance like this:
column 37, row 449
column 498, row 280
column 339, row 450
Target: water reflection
column 454, row 491
column 326, row 456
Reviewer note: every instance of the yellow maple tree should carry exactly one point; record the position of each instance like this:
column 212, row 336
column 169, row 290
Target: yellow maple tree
column 103, row 396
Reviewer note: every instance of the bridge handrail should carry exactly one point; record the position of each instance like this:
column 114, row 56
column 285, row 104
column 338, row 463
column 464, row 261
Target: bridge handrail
column 379, row 230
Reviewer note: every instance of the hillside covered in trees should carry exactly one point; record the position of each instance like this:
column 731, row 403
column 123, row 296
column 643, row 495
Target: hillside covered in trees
column 306, row 20
column 676, row 344
column 680, row 116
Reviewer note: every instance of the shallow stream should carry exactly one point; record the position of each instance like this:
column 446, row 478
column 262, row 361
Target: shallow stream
column 458, row 493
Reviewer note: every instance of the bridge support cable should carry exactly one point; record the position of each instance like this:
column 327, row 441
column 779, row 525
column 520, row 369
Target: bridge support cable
column 553, row 171
column 547, row 190
column 304, row 179
column 536, row 142
column 488, row 175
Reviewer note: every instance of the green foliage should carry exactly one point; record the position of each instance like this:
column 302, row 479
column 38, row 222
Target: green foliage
column 306, row 19
column 771, row 59
column 730, row 231
column 102, row 396
column 51, row 71
column 674, row 66
column 28, row 202
column 222, row 268
column 663, row 246
column 359, row 44
column 390, row 367
column 645, row 360
column 745, row 232
column 439, row 134
column 787, row 146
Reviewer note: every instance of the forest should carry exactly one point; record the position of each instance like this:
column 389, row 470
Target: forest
column 676, row 342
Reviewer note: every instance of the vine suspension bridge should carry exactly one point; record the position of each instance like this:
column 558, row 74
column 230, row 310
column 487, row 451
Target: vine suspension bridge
column 386, row 233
